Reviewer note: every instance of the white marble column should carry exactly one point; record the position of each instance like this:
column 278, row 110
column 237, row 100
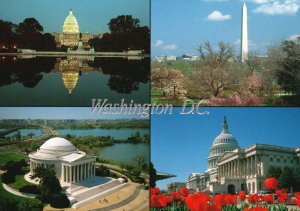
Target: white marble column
column 227, row 170
column 81, row 171
column 73, row 174
column 94, row 168
column 84, row 171
column 234, row 168
column 247, row 170
column 77, row 179
column 62, row 173
column 31, row 171
column 67, row 174
column 251, row 165
column 255, row 165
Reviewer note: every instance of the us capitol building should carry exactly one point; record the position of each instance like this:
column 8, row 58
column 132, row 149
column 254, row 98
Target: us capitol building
column 71, row 35
column 232, row 169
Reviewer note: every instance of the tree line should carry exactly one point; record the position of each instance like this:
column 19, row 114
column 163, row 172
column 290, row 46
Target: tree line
column 27, row 34
column 125, row 34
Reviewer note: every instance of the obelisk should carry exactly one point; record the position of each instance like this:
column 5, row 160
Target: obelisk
column 244, row 38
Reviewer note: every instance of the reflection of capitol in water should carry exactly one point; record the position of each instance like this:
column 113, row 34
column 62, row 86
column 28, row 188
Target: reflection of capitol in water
column 71, row 69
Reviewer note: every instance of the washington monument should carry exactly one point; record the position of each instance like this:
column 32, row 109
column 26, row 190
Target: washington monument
column 244, row 38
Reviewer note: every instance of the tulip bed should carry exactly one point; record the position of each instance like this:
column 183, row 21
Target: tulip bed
column 182, row 200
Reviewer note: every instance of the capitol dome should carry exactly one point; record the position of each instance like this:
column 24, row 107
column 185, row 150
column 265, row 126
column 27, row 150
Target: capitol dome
column 224, row 142
column 55, row 148
column 70, row 79
column 70, row 24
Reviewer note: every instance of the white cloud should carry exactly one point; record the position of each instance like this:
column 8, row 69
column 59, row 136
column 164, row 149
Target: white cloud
column 169, row 47
column 161, row 44
column 237, row 42
column 260, row 1
column 218, row 16
column 277, row 7
column 294, row 37
column 158, row 43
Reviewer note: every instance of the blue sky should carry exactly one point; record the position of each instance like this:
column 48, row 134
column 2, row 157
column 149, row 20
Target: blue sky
column 92, row 15
column 180, row 26
column 180, row 143
column 57, row 113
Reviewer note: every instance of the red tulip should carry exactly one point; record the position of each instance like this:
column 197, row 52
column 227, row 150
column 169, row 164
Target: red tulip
column 256, row 209
column 297, row 195
column 271, row 183
column 242, row 195
column 196, row 202
column 154, row 191
column 184, row 192
column 175, row 195
column 298, row 202
column 220, row 201
column 268, row 198
column 253, row 198
column 199, row 202
column 282, row 197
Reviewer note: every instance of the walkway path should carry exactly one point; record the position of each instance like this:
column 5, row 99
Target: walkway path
column 138, row 200
column 121, row 203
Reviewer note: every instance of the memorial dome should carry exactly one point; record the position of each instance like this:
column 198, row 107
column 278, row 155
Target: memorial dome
column 54, row 148
column 70, row 24
column 58, row 144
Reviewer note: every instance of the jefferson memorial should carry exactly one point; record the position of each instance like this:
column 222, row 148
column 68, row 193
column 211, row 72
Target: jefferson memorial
column 75, row 170
column 232, row 169
column 70, row 164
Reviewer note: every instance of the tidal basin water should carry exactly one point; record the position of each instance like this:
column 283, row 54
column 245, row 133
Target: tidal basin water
column 124, row 152
column 71, row 81
column 25, row 132
column 117, row 134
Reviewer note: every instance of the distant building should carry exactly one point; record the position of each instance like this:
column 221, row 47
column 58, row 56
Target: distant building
column 71, row 35
column 231, row 169
column 159, row 59
column 171, row 58
column 175, row 186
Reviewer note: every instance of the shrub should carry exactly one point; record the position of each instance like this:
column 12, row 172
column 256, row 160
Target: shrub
column 8, row 177
column 102, row 171
column 60, row 200
column 30, row 205
column 136, row 172
column 30, row 189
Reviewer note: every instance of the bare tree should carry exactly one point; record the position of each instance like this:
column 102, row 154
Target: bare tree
column 215, row 73
column 253, row 61
column 140, row 160
column 216, row 59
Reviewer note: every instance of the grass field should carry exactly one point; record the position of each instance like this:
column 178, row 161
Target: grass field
column 5, row 194
column 20, row 182
column 11, row 156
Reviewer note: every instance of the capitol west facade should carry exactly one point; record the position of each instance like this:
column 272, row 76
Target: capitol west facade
column 231, row 169
column 70, row 35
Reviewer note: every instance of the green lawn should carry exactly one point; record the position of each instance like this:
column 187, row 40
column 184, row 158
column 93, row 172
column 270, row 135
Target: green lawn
column 11, row 156
column 20, row 182
column 6, row 194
